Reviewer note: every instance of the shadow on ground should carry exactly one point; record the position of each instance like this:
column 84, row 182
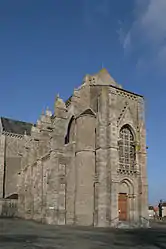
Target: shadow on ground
column 18, row 234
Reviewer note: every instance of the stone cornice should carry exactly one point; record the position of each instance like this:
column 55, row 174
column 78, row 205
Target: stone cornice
column 9, row 134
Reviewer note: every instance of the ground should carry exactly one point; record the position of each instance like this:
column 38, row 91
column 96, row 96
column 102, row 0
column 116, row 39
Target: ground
column 18, row 234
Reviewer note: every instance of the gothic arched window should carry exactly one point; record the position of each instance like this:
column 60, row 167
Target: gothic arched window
column 70, row 132
column 126, row 149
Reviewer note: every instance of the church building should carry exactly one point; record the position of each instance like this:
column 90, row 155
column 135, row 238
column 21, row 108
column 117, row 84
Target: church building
column 84, row 164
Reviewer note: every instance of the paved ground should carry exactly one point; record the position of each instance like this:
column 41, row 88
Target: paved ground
column 18, row 234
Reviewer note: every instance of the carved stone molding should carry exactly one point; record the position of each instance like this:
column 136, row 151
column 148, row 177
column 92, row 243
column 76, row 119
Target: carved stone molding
column 124, row 94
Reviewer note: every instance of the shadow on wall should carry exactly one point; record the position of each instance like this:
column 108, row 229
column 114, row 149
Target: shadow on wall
column 8, row 206
column 13, row 197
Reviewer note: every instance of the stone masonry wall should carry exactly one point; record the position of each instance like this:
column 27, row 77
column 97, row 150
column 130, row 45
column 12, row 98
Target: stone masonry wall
column 14, row 148
column 85, row 169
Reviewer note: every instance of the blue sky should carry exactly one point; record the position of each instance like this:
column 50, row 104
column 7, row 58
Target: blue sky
column 46, row 47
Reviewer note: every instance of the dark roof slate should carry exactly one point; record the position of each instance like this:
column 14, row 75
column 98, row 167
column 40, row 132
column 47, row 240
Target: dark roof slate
column 15, row 126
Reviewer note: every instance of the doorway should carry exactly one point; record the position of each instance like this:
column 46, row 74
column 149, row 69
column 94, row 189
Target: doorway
column 122, row 206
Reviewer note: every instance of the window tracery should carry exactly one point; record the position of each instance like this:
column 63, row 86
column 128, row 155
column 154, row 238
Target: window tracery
column 126, row 149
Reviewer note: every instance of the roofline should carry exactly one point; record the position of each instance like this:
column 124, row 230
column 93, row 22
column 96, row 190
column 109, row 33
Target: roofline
column 68, row 99
column 118, row 88
column 127, row 91
column 16, row 120
column 121, row 89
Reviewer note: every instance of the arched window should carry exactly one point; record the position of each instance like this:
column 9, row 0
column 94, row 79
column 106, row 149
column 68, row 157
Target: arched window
column 126, row 149
column 70, row 131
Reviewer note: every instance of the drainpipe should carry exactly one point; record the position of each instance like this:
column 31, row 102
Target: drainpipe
column 4, row 170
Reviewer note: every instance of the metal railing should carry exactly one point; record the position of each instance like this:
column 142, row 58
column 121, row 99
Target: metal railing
column 144, row 218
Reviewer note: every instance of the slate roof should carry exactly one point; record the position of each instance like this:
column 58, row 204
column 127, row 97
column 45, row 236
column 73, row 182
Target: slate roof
column 15, row 126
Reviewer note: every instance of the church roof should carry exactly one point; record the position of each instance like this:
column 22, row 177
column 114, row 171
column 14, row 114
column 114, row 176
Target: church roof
column 104, row 74
column 15, row 126
column 104, row 77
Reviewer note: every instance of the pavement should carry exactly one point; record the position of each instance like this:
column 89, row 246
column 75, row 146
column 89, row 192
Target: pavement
column 18, row 234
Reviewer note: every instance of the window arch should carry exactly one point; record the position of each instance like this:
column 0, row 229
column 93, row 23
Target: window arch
column 70, row 131
column 127, row 153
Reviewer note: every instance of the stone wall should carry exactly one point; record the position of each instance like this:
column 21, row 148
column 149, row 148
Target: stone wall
column 85, row 168
column 11, row 146
column 14, row 149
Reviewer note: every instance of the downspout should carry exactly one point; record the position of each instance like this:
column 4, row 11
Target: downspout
column 75, row 172
column 94, row 190
column 4, row 170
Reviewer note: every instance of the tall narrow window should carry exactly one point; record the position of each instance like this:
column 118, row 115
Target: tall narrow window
column 70, row 131
column 126, row 149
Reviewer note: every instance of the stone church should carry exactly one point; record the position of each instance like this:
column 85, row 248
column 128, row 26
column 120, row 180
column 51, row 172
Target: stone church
column 84, row 164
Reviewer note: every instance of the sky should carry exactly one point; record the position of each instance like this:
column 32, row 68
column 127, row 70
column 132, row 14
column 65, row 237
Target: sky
column 47, row 47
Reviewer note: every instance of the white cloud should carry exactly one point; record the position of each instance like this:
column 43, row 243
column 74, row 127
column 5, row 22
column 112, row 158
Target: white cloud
column 147, row 32
column 153, row 21
column 127, row 40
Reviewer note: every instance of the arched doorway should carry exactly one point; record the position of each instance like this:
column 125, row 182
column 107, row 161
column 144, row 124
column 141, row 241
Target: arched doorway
column 125, row 199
